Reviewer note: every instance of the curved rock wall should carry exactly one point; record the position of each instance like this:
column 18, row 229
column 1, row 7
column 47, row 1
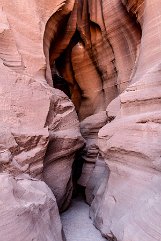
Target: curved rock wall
column 28, row 210
column 94, row 48
column 86, row 54
column 64, row 140
column 109, row 54
column 130, row 144
column 30, row 111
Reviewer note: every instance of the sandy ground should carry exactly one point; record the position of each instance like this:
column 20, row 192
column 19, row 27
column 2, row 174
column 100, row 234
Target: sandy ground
column 77, row 224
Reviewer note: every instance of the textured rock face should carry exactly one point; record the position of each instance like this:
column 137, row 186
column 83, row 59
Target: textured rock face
column 64, row 140
column 28, row 210
column 130, row 144
column 110, row 51
column 22, row 135
column 106, row 56
column 30, row 111
column 94, row 168
column 84, row 53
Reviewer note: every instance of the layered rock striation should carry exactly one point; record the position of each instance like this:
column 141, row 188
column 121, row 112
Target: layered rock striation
column 30, row 111
column 28, row 210
column 130, row 144
column 110, row 58
column 105, row 56
column 84, row 54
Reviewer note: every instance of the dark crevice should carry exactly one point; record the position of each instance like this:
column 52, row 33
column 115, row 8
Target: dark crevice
column 59, row 68
column 59, row 34
column 64, row 77
column 66, row 82
column 76, row 174
column 61, row 84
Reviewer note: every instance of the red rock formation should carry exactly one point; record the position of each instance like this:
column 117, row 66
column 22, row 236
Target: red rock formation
column 28, row 210
column 105, row 55
column 130, row 144
column 87, row 56
column 117, row 53
column 64, row 140
column 30, row 111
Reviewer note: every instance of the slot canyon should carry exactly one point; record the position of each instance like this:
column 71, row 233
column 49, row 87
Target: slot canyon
column 80, row 120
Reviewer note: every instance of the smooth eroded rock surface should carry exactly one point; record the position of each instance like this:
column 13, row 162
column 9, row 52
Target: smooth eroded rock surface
column 130, row 144
column 106, row 58
column 28, row 210
column 30, row 111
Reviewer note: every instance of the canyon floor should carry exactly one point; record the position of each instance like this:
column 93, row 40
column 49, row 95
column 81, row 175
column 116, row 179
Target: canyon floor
column 77, row 224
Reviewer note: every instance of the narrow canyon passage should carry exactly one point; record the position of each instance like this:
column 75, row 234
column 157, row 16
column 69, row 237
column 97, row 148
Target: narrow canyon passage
column 80, row 120
column 77, row 225
column 76, row 221
column 86, row 63
column 67, row 49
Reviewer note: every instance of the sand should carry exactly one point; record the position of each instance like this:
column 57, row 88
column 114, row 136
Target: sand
column 77, row 224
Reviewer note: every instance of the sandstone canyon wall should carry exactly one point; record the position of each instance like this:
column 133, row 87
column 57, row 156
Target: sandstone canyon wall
column 30, row 111
column 105, row 55
column 130, row 206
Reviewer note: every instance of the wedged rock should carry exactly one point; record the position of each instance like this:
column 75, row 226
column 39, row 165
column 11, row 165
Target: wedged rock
column 89, row 129
column 97, row 181
column 28, row 210
column 64, row 140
